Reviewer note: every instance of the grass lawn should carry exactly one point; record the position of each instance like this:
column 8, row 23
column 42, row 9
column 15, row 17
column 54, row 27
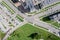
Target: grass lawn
column 8, row 7
column 52, row 22
column 56, row 24
column 1, row 35
column 23, row 32
column 19, row 18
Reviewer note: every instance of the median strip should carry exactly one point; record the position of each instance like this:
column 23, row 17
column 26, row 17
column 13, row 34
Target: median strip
column 19, row 17
column 8, row 7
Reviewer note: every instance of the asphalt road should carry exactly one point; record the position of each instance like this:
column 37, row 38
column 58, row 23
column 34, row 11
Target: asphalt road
column 33, row 19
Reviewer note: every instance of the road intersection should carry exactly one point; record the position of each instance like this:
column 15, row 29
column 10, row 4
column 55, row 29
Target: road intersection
column 33, row 19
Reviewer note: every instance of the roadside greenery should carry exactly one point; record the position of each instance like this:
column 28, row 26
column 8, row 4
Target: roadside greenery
column 1, row 35
column 19, row 18
column 8, row 7
column 52, row 22
column 29, row 32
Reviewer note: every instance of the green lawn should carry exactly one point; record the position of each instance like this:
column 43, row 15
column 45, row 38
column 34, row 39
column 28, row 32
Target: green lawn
column 52, row 22
column 1, row 35
column 8, row 7
column 23, row 32
column 19, row 18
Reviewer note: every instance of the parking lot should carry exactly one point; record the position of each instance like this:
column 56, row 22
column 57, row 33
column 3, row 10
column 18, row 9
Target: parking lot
column 7, row 20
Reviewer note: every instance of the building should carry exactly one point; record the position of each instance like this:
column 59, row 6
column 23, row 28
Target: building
column 31, row 5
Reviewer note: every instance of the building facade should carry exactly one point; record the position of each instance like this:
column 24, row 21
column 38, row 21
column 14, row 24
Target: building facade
column 31, row 5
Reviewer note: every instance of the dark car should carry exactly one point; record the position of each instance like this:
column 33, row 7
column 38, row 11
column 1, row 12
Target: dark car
column 15, row 1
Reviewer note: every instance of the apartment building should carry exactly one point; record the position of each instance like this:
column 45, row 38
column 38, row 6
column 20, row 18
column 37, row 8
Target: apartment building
column 31, row 5
column 48, row 2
